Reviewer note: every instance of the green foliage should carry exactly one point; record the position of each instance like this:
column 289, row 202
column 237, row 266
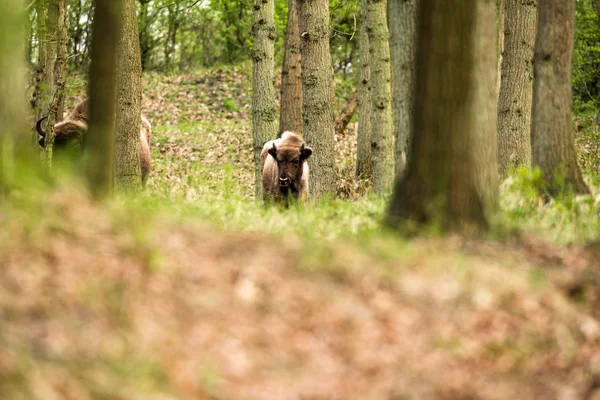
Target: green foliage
column 586, row 57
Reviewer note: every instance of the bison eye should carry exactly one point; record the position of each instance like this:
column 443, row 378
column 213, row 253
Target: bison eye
column 296, row 162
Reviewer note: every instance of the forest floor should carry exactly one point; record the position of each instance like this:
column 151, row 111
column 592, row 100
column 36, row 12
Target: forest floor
column 195, row 291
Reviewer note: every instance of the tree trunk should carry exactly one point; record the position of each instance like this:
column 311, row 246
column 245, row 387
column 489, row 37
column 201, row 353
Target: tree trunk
column 597, row 7
column 500, row 43
column 102, row 97
column 128, row 176
column 451, row 177
column 264, row 109
column 363, row 140
column 40, row 97
column 59, row 73
column 552, row 138
column 317, row 92
column 403, row 41
column 12, row 73
column 290, row 116
column 345, row 116
column 382, row 139
column 514, row 103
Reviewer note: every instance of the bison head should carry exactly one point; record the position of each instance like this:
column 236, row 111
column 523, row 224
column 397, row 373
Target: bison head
column 290, row 166
column 68, row 135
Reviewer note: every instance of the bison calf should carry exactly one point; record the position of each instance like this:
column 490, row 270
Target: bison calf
column 285, row 169
column 69, row 136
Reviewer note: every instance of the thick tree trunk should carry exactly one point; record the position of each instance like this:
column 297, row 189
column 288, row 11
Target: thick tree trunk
column 382, row 138
column 59, row 74
column 12, row 73
column 264, row 108
column 102, row 97
column 514, row 103
column 403, row 40
column 317, row 91
column 552, row 138
column 363, row 140
column 342, row 120
column 290, row 116
column 452, row 176
column 128, row 176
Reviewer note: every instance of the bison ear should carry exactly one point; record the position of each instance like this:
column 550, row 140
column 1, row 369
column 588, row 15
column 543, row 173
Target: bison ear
column 305, row 152
column 273, row 151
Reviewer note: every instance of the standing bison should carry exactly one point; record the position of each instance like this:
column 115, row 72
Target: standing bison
column 69, row 136
column 285, row 169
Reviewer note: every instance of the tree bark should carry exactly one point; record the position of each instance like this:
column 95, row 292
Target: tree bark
column 552, row 137
column 59, row 74
column 597, row 7
column 40, row 99
column 102, row 97
column 403, row 41
column 128, row 176
column 382, row 139
column 12, row 73
column 500, row 42
column 451, row 177
column 264, row 109
column 290, row 116
column 317, row 92
column 342, row 120
column 363, row 140
column 516, row 87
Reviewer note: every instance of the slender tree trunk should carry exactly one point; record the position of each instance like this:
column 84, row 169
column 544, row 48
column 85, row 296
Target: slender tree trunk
column 59, row 74
column 403, row 41
column 128, row 176
column 500, row 42
column 317, row 92
column 452, row 176
column 264, row 109
column 363, row 140
column 382, row 138
column 102, row 97
column 40, row 98
column 290, row 115
column 552, row 136
column 345, row 116
column 12, row 106
column 514, row 104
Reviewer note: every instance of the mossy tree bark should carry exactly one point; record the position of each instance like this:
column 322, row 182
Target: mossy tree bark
column 102, row 98
column 382, row 138
column 59, row 73
column 12, row 107
column 403, row 41
column 128, row 176
column 552, row 137
column 516, row 86
column 264, row 108
column 451, row 177
column 317, row 92
column 363, row 140
column 290, row 113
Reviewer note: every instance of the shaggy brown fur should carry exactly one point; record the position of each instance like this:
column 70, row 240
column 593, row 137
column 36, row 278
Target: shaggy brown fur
column 285, row 169
column 69, row 135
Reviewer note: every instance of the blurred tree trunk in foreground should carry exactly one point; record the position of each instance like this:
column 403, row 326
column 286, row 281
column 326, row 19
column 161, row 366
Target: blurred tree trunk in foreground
column 403, row 32
column 12, row 74
column 363, row 145
column 290, row 114
column 58, row 65
column 317, row 92
column 516, row 86
column 128, row 175
column 382, row 139
column 552, row 137
column 452, row 173
column 264, row 109
column 102, row 98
